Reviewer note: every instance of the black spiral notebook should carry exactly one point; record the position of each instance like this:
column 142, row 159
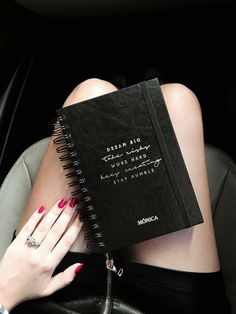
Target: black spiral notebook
column 124, row 161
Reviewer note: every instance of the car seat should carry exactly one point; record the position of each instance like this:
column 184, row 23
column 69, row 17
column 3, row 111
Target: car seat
column 221, row 170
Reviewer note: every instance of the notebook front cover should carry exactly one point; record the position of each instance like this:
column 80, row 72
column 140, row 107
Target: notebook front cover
column 125, row 171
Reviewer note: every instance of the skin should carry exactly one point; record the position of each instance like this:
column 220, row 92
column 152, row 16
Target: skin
column 26, row 272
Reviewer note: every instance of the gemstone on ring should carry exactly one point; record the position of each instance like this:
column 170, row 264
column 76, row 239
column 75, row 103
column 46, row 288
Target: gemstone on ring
column 31, row 241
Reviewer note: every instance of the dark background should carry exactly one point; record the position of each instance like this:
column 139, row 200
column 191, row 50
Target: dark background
column 192, row 46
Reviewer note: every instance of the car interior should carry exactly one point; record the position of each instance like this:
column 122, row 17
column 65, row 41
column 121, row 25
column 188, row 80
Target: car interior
column 48, row 47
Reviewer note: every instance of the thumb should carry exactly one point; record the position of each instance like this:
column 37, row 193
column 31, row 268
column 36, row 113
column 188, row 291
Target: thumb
column 62, row 279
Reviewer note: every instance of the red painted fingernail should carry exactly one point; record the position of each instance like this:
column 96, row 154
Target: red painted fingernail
column 72, row 202
column 78, row 268
column 62, row 203
column 41, row 209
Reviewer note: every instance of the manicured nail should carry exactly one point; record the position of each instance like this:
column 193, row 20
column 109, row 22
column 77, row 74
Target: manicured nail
column 41, row 209
column 72, row 202
column 78, row 268
column 62, row 203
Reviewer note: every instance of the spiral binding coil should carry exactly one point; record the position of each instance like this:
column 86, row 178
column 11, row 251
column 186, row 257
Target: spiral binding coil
column 70, row 159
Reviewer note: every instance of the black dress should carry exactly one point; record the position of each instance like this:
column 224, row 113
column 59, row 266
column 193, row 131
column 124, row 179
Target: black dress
column 142, row 289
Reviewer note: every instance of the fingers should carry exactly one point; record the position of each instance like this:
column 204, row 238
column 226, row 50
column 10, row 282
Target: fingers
column 46, row 224
column 61, row 230
column 65, row 242
column 63, row 279
column 54, row 224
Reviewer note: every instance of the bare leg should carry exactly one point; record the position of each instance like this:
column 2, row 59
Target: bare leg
column 51, row 184
column 193, row 249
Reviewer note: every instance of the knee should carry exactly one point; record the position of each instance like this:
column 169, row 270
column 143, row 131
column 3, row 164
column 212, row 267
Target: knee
column 183, row 107
column 89, row 88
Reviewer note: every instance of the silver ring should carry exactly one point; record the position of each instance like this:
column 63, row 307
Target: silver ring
column 31, row 241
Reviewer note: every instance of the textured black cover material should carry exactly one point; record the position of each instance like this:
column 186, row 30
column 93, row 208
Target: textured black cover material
column 137, row 183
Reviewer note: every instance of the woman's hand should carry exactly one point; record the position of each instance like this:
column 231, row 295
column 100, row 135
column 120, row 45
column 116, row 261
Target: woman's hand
column 26, row 268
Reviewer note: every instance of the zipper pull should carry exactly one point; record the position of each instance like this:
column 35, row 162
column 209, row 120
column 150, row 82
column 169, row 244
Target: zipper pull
column 110, row 265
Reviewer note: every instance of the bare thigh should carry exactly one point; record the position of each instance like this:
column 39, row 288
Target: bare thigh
column 192, row 249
